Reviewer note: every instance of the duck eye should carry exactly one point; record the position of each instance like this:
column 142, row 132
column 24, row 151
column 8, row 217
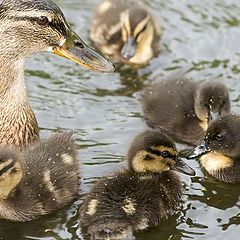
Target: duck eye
column 42, row 21
column 165, row 154
column 218, row 137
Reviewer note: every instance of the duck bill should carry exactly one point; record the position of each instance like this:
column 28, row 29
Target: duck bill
column 199, row 151
column 212, row 116
column 129, row 48
column 77, row 51
column 182, row 167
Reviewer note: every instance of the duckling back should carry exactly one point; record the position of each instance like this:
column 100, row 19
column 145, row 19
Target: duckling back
column 50, row 179
column 127, row 202
column 183, row 108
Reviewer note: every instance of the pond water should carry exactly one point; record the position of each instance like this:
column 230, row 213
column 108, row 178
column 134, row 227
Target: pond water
column 202, row 39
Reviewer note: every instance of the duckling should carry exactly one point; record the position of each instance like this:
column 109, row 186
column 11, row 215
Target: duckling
column 42, row 179
column 126, row 31
column 220, row 151
column 139, row 197
column 28, row 27
column 183, row 109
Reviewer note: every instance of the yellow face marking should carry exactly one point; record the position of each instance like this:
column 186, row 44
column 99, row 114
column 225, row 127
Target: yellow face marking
column 126, row 28
column 141, row 25
column 10, row 180
column 204, row 125
column 67, row 159
column 129, row 206
column 6, row 163
column 158, row 164
column 214, row 161
column 144, row 50
column 92, row 207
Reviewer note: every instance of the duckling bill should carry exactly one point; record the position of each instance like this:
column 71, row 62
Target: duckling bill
column 183, row 109
column 42, row 179
column 142, row 196
column 219, row 153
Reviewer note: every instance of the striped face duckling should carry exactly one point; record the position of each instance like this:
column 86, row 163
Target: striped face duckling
column 219, row 154
column 28, row 27
column 39, row 181
column 126, row 31
column 183, row 109
column 142, row 196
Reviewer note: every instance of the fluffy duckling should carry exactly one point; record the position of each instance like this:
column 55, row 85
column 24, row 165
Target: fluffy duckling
column 126, row 31
column 220, row 152
column 142, row 196
column 183, row 108
column 40, row 180
column 28, row 27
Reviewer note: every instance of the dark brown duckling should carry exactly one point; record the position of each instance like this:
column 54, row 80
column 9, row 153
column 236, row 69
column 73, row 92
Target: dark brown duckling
column 183, row 108
column 126, row 31
column 42, row 179
column 219, row 154
column 140, row 197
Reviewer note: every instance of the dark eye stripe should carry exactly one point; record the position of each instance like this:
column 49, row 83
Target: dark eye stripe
column 159, row 153
column 5, row 169
column 143, row 29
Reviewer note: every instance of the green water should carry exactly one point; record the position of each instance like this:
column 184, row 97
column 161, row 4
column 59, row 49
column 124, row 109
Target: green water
column 201, row 38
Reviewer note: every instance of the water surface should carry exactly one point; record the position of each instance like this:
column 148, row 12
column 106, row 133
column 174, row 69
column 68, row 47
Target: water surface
column 201, row 38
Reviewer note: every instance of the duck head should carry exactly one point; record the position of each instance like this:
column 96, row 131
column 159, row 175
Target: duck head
column 211, row 101
column 31, row 26
column 219, row 153
column 154, row 152
column 137, row 34
column 10, row 172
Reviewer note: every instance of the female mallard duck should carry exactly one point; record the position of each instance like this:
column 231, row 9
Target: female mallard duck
column 220, row 152
column 28, row 27
column 183, row 108
column 140, row 197
column 126, row 31
column 40, row 180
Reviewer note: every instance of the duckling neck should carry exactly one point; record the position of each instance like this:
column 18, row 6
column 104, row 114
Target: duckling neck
column 18, row 125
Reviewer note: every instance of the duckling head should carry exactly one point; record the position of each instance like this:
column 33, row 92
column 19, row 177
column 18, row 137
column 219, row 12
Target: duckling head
column 10, row 172
column 30, row 26
column 154, row 152
column 137, row 34
column 221, row 148
column 211, row 101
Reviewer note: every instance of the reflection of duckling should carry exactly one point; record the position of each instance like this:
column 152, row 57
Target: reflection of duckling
column 137, row 198
column 126, row 31
column 28, row 27
column 183, row 108
column 39, row 181
column 220, row 151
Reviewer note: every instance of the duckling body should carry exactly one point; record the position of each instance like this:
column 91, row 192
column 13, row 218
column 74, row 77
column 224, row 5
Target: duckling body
column 183, row 108
column 39, row 181
column 219, row 153
column 28, row 27
column 140, row 197
column 126, row 31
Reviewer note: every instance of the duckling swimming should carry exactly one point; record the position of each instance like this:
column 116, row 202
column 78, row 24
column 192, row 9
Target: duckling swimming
column 42, row 179
column 142, row 196
column 28, row 27
column 183, row 108
column 220, row 152
column 126, row 31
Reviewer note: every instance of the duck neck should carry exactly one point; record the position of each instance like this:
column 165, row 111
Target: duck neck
column 18, row 125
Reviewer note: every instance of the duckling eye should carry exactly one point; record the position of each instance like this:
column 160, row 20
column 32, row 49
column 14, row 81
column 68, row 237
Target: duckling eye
column 165, row 154
column 42, row 21
column 143, row 29
column 218, row 137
